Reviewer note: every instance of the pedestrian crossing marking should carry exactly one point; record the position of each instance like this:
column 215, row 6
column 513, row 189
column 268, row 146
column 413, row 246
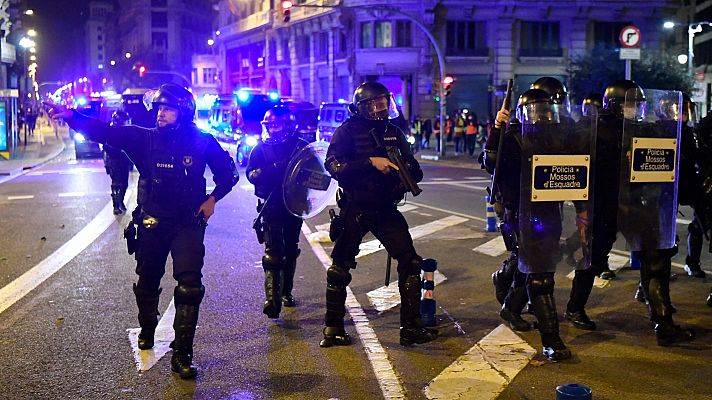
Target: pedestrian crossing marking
column 485, row 370
column 145, row 359
column 416, row 232
column 72, row 194
column 493, row 248
column 386, row 297
column 25, row 197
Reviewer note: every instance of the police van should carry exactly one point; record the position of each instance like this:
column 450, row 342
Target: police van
column 331, row 116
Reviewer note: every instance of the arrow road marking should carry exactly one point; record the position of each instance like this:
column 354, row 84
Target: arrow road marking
column 390, row 384
column 145, row 359
column 493, row 248
column 484, row 371
column 386, row 297
column 416, row 232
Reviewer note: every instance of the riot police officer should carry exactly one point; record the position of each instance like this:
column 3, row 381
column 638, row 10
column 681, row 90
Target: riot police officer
column 171, row 159
column 509, row 282
column 276, row 227
column 370, row 190
column 646, row 205
column 690, row 186
column 117, row 166
column 704, row 140
column 539, row 266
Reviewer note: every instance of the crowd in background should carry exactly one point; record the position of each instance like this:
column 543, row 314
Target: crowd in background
column 462, row 128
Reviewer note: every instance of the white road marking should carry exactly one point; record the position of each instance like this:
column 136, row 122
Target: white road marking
column 485, row 370
column 386, row 297
column 72, row 194
column 24, row 284
column 442, row 179
column 416, row 232
column 388, row 380
column 407, row 207
column 247, row 187
column 25, row 197
column 145, row 359
column 683, row 221
column 466, row 181
column 72, row 171
column 493, row 248
column 615, row 262
column 449, row 211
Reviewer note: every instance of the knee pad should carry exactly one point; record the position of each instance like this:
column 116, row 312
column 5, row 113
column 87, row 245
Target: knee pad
column 540, row 284
column 412, row 266
column 272, row 261
column 190, row 279
column 338, row 276
column 190, row 295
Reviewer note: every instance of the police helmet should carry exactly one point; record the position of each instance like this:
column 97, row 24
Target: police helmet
column 178, row 97
column 615, row 97
column 537, row 106
column 278, row 124
column 119, row 118
column 668, row 107
column 373, row 101
column 689, row 111
column 556, row 90
column 594, row 101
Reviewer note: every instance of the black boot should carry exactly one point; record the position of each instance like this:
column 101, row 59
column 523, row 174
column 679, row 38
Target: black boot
column 655, row 277
column 694, row 250
column 334, row 336
column 187, row 300
column 512, row 309
column 147, row 316
column 667, row 333
column 709, row 299
column 288, row 275
column 412, row 329
column 502, row 278
column 580, row 292
column 273, row 293
column 694, row 270
column 640, row 294
column 548, row 324
column 116, row 202
column 121, row 195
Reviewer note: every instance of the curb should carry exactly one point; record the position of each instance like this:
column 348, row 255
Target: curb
column 433, row 160
column 6, row 176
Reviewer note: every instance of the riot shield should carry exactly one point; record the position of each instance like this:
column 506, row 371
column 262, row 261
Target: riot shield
column 647, row 202
column 556, row 198
column 308, row 186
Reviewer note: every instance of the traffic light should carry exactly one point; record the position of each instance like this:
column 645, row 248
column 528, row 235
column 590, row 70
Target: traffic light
column 447, row 84
column 286, row 10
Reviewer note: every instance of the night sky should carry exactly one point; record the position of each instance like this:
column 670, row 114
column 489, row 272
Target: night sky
column 59, row 25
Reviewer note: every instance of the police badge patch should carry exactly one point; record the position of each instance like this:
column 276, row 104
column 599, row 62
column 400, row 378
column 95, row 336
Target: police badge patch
column 187, row 161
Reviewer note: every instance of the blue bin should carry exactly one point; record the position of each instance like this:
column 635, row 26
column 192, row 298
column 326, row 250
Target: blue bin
column 573, row 391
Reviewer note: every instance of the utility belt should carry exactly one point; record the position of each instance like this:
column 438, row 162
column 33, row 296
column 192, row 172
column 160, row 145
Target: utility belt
column 149, row 222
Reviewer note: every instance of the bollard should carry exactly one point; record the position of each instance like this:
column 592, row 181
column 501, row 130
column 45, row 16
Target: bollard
column 491, row 216
column 573, row 391
column 427, row 305
column 634, row 261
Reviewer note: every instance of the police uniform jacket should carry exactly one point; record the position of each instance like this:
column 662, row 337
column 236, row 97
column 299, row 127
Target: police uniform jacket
column 171, row 162
column 347, row 160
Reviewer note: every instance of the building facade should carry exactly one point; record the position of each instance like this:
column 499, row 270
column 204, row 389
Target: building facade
column 161, row 35
column 99, row 35
column 321, row 54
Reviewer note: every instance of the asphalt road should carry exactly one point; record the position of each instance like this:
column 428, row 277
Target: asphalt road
column 67, row 336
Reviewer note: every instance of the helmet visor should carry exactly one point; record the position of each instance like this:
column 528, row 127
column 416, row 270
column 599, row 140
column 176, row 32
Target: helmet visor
column 379, row 108
column 540, row 113
column 275, row 131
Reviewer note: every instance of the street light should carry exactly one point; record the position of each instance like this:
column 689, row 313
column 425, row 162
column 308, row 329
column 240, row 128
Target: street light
column 26, row 42
column 32, row 33
column 29, row 12
column 127, row 55
column 211, row 42
column 692, row 28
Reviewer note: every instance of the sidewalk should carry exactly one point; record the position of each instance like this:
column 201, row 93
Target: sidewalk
column 41, row 147
column 430, row 156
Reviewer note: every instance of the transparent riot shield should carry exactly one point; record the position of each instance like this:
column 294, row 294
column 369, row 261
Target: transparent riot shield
column 647, row 202
column 308, row 186
column 556, row 198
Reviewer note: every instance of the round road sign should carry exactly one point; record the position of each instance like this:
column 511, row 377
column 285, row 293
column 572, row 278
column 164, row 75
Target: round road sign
column 629, row 36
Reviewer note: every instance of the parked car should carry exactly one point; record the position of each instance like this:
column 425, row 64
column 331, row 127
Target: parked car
column 331, row 116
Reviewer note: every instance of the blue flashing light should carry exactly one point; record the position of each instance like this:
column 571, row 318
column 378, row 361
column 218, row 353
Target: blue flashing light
column 273, row 96
column 399, row 100
column 81, row 101
column 243, row 96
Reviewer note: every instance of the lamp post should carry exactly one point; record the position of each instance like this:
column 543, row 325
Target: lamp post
column 692, row 29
